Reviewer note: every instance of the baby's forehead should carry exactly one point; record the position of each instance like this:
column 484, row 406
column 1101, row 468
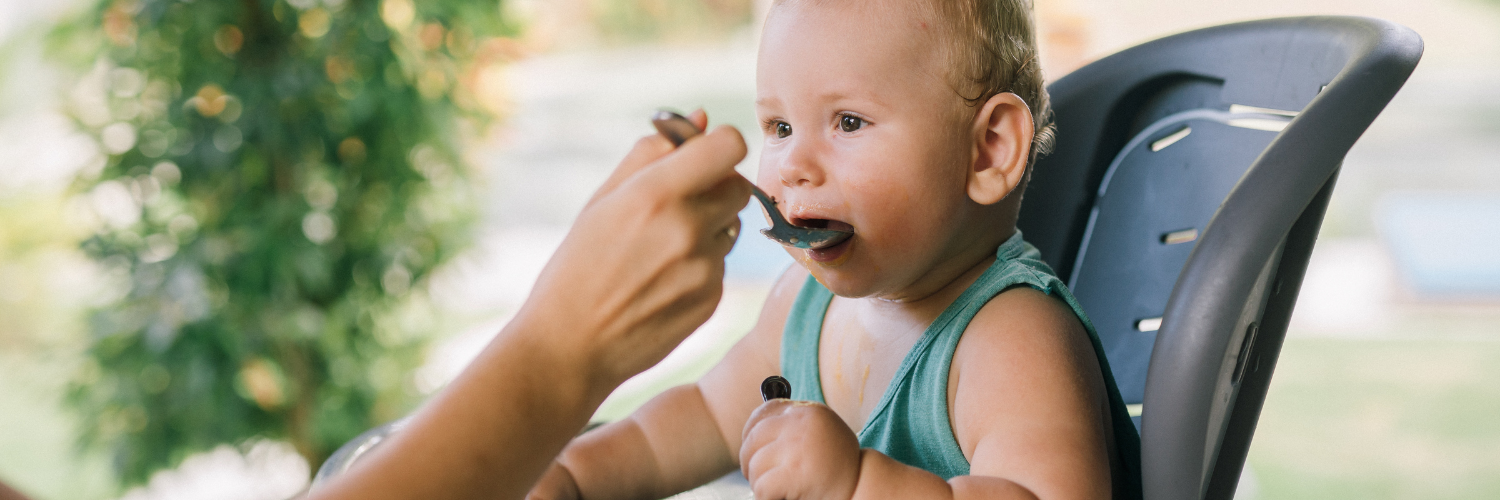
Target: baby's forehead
column 884, row 39
column 924, row 14
column 908, row 24
column 907, row 7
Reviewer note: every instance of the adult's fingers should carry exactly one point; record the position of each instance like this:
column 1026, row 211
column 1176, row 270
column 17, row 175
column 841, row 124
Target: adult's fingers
column 699, row 119
column 717, row 241
column 700, row 163
column 733, row 190
column 721, row 242
column 720, row 209
column 646, row 150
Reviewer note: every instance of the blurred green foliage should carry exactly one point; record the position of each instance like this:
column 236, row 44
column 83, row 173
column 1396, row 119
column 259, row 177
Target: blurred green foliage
column 276, row 179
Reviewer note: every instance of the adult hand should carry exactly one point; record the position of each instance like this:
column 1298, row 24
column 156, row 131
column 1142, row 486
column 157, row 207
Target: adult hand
column 644, row 264
column 799, row 450
column 642, row 267
column 6, row 493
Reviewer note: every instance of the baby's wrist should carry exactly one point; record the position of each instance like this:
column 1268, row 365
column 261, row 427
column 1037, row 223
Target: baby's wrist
column 862, row 487
column 882, row 477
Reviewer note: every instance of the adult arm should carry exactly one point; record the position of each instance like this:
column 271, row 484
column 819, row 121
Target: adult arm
column 6, row 493
column 641, row 268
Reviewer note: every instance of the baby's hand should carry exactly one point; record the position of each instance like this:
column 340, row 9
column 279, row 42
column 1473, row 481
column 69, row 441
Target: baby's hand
column 799, row 450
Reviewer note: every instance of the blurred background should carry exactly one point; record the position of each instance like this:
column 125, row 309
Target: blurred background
column 235, row 234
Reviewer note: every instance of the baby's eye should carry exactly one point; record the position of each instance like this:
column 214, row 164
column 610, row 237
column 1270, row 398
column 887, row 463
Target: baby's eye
column 849, row 123
column 783, row 129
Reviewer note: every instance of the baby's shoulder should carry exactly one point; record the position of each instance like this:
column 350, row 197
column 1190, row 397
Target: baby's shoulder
column 765, row 336
column 1024, row 362
column 1024, row 326
column 783, row 295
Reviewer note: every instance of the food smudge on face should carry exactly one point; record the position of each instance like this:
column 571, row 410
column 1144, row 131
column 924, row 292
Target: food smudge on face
column 815, row 276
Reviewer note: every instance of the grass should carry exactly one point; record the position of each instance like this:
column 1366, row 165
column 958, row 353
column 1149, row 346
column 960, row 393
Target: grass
column 1374, row 419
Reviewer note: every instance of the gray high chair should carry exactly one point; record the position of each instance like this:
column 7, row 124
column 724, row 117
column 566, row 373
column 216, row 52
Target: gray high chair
column 1181, row 204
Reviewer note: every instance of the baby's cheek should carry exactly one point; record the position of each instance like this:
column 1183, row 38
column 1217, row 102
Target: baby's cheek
column 877, row 182
column 896, row 228
column 766, row 176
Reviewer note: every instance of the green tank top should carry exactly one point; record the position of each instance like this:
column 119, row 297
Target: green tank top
column 910, row 423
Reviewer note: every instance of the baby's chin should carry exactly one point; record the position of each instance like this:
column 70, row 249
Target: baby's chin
column 840, row 269
column 842, row 281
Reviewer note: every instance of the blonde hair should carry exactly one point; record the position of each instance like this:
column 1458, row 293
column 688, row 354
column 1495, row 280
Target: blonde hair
column 993, row 44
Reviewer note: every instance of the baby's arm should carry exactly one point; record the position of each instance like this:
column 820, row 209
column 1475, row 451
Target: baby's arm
column 1028, row 407
column 686, row 436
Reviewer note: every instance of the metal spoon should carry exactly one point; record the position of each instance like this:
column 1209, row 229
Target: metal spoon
column 678, row 130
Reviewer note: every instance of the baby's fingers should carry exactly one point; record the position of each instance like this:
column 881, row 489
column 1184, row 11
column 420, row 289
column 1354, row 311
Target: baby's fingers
column 766, row 411
column 556, row 484
column 762, row 430
column 771, row 479
column 766, row 465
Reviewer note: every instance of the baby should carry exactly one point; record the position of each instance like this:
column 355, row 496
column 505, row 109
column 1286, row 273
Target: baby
column 932, row 354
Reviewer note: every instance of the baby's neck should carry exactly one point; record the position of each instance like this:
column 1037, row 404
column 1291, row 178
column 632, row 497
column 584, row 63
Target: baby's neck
column 865, row 339
column 926, row 298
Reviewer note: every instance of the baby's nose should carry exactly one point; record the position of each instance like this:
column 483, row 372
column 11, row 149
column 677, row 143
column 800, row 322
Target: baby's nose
column 801, row 166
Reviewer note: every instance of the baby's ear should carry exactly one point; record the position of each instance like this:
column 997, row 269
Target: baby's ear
column 1002, row 133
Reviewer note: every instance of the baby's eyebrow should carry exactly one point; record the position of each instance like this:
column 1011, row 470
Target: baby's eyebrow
column 829, row 96
column 837, row 95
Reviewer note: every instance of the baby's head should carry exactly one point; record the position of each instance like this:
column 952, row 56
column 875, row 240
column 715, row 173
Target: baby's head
column 911, row 122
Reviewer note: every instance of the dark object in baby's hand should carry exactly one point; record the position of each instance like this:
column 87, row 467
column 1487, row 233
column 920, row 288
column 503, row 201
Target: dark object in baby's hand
column 775, row 387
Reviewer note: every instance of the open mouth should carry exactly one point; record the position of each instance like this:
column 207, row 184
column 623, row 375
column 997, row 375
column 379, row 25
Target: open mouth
column 833, row 250
column 836, row 225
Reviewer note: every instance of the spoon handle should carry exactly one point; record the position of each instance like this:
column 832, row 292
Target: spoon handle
column 775, row 387
column 674, row 127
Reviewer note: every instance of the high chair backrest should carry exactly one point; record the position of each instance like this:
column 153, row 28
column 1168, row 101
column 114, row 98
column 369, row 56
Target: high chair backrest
column 1181, row 203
